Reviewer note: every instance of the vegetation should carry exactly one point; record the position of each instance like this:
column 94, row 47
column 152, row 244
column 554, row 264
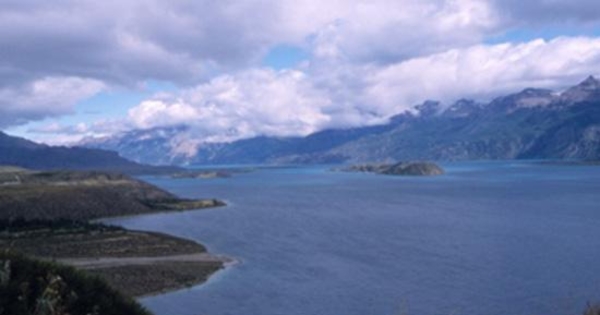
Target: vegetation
column 31, row 287
column 592, row 310
column 211, row 173
column 134, row 280
column 84, row 195
column 74, row 242
column 45, row 214
column 71, row 239
column 401, row 168
column 19, row 227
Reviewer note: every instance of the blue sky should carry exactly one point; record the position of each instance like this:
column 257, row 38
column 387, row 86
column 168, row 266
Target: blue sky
column 232, row 70
column 285, row 57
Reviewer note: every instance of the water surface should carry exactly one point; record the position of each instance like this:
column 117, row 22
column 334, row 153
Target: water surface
column 487, row 238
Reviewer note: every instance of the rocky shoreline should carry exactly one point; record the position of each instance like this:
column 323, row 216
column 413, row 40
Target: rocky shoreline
column 134, row 262
column 46, row 215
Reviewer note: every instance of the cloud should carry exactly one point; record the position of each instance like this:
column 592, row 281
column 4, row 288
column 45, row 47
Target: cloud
column 296, row 103
column 389, row 31
column 55, row 133
column 254, row 102
column 56, row 128
column 129, row 41
column 550, row 12
column 367, row 59
column 485, row 71
column 44, row 98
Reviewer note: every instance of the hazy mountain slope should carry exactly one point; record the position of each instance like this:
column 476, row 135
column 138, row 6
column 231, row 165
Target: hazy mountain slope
column 281, row 150
column 576, row 135
column 20, row 152
column 529, row 124
column 156, row 146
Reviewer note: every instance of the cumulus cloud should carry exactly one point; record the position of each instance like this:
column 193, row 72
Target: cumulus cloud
column 254, row 102
column 55, row 133
column 388, row 31
column 367, row 59
column 44, row 98
column 129, row 41
column 295, row 103
column 485, row 71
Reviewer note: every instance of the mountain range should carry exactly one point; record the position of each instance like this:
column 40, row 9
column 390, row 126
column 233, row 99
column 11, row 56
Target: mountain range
column 531, row 124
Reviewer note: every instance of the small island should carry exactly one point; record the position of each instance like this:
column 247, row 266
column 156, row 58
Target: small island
column 201, row 175
column 210, row 173
column 400, row 169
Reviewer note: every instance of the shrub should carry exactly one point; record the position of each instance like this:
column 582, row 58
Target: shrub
column 32, row 287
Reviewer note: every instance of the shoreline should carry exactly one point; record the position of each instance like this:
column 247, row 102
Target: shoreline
column 138, row 263
column 205, row 256
column 65, row 215
column 224, row 261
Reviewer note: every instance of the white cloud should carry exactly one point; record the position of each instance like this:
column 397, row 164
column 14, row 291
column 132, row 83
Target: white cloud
column 254, row 102
column 295, row 103
column 369, row 59
column 485, row 71
column 157, row 113
column 128, row 42
column 44, row 98
column 384, row 31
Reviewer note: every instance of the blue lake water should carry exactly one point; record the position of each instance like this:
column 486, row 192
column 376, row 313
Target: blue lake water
column 487, row 238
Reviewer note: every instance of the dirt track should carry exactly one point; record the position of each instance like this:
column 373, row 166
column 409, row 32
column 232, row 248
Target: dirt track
column 108, row 262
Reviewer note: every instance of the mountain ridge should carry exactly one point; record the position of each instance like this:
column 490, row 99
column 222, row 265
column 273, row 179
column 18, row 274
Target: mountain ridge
column 531, row 124
column 24, row 153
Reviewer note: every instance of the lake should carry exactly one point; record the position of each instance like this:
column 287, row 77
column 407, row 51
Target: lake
column 486, row 238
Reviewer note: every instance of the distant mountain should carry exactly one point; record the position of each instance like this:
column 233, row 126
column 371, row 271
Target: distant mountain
column 152, row 146
column 531, row 124
column 24, row 153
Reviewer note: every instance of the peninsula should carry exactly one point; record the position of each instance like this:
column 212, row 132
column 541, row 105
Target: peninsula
column 46, row 215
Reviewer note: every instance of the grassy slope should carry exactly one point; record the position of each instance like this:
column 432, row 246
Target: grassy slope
column 83, row 196
column 67, row 239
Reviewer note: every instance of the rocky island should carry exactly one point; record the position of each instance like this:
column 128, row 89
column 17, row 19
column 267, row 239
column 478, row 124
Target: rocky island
column 211, row 173
column 400, row 168
column 201, row 175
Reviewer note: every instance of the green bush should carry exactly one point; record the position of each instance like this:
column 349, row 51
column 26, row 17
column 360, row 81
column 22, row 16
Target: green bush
column 32, row 287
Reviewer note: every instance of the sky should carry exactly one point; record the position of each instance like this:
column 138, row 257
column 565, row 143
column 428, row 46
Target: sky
column 228, row 70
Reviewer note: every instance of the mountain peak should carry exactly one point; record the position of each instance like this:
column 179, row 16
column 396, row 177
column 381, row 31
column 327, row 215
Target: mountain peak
column 527, row 98
column 429, row 108
column 591, row 81
column 586, row 90
column 462, row 108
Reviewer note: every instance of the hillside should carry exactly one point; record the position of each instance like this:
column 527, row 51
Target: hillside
column 84, row 195
column 531, row 124
column 24, row 153
column 29, row 287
